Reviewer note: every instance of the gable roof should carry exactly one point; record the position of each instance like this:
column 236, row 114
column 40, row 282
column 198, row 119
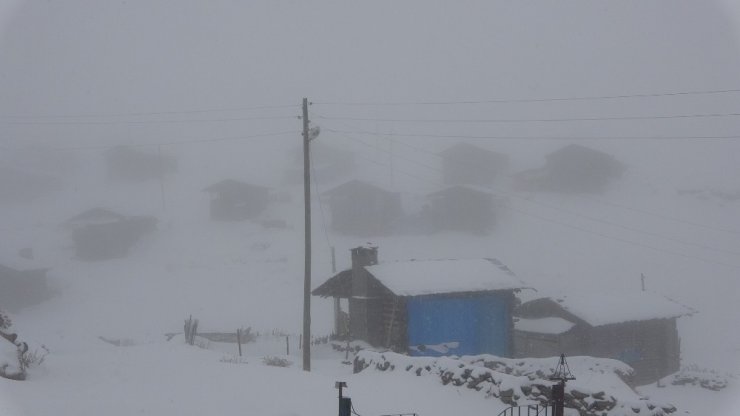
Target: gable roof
column 356, row 185
column 233, row 186
column 457, row 190
column 431, row 277
column 464, row 150
column 96, row 216
column 602, row 309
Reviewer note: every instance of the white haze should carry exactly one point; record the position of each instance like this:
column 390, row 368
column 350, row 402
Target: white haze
column 77, row 77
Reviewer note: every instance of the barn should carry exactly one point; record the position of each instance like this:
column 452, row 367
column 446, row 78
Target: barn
column 464, row 208
column 232, row 200
column 101, row 234
column 362, row 209
column 427, row 307
column 638, row 329
column 465, row 163
column 572, row 169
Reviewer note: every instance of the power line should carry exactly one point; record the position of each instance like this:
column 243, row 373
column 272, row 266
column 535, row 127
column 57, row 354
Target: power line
column 171, row 143
column 126, row 122
column 557, row 208
column 151, row 113
column 530, row 100
column 462, row 136
column 532, row 120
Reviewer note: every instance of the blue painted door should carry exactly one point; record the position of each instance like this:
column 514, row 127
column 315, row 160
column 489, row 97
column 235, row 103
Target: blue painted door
column 459, row 326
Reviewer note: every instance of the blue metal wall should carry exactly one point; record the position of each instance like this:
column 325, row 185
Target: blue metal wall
column 479, row 325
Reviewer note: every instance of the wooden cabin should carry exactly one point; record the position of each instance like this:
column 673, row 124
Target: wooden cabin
column 233, row 200
column 23, row 283
column 572, row 169
column 466, row 164
column 101, row 234
column 129, row 164
column 638, row 329
column 361, row 209
column 427, row 307
column 463, row 208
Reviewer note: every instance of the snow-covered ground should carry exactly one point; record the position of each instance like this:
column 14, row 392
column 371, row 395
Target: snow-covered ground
column 238, row 275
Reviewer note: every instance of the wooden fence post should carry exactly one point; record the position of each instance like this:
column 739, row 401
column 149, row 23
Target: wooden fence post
column 239, row 340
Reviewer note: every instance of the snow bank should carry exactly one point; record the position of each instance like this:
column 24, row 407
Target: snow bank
column 598, row 390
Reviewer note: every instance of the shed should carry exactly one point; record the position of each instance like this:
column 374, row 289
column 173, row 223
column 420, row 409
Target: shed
column 23, row 283
column 465, row 208
column 102, row 234
column 428, row 307
column 572, row 169
column 232, row 200
column 128, row 164
column 465, row 163
column 360, row 208
column 637, row 328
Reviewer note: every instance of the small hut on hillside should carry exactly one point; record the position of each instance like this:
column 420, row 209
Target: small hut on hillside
column 129, row 164
column 359, row 208
column 462, row 208
column 572, row 169
column 233, row 200
column 101, row 234
column 466, row 164
column 638, row 329
column 23, row 283
column 427, row 307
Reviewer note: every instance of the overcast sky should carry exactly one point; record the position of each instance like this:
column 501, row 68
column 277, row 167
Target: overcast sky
column 92, row 58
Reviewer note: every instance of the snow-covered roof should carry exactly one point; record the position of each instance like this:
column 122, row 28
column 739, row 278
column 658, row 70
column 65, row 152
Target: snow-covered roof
column 551, row 325
column 429, row 277
column 603, row 309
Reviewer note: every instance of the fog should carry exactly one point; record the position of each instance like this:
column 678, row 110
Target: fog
column 151, row 161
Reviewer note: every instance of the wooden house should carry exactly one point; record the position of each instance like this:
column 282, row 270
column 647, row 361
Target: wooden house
column 23, row 283
column 233, row 200
column 101, row 234
column 638, row 329
column 129, row 164
column 462, row 208
column 466, row 164
column 427, row 307
column 572, row 169
column 359, row 208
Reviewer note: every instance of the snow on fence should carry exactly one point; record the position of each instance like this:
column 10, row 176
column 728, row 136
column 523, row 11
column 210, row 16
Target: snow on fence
column 515, row 382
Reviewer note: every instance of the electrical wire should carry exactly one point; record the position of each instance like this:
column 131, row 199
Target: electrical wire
column 152, row 113
column 169, row 143
column 532, row 100
column 532, row 120
column 137, row 122
column 586, row 230
column 598, row 200
column 318, row 197
column 462, row 136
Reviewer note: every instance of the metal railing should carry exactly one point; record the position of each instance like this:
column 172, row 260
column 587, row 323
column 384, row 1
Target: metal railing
column 528, row 410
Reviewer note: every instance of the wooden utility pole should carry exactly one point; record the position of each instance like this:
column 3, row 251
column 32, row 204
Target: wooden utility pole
column 307, row 235
column 642, row 280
